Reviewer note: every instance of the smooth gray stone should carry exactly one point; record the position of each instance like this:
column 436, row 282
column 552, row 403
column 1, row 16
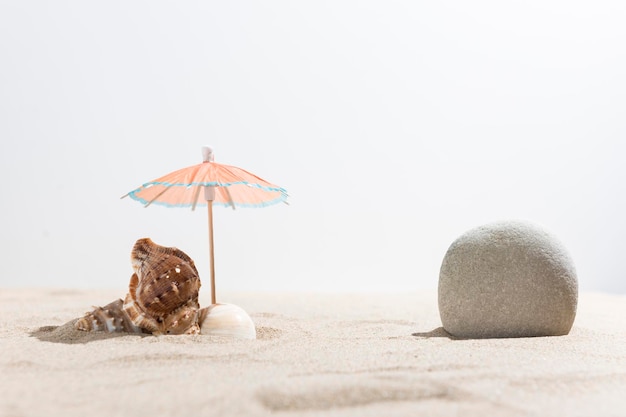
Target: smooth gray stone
column 507, row 279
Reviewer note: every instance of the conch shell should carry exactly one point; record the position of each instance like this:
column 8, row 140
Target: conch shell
column 162, row 295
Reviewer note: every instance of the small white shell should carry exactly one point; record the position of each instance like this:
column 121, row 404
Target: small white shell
column 226, row 320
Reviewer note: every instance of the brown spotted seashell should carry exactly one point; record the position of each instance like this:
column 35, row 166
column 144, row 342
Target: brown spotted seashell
column 162, row 295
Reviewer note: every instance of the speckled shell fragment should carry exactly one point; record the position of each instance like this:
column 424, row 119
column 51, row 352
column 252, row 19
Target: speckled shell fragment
column 110, row 318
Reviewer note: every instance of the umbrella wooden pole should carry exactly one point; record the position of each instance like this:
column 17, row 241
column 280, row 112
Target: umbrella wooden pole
column 211, row 253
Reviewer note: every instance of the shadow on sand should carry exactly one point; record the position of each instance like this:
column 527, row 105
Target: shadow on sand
column 438, row 332
column 67, row 334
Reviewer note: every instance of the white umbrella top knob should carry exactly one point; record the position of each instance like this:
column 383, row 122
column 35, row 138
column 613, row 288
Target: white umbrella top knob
column 207, row 154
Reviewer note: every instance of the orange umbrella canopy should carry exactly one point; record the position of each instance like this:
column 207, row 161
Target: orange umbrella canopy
column 228, row 185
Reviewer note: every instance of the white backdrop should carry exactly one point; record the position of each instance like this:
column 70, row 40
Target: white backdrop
column 395, row 126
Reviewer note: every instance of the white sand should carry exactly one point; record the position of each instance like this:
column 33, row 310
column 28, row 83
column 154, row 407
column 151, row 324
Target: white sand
column 331, row 355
